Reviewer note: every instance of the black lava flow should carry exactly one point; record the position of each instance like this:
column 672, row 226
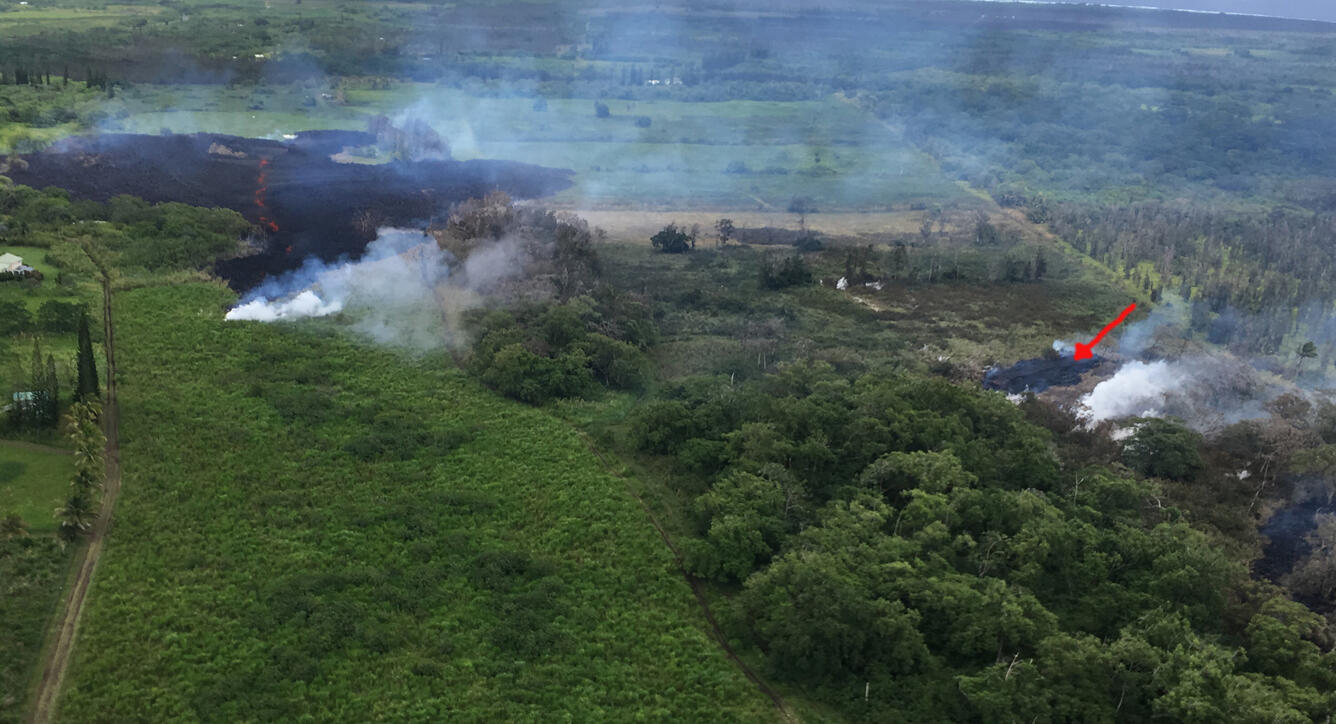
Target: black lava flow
column 301, row 202
column 1039, row 374
column 1286, row 534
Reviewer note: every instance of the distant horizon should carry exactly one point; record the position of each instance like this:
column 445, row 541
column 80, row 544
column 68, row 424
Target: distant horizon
column 1320, row 10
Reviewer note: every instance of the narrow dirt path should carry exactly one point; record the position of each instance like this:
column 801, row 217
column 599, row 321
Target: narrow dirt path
column 867, row 303
column 761, row 201
column 57, row 656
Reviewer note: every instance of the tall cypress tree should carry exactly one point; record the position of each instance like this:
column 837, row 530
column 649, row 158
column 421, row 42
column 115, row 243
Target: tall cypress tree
column 38, row 372
column 52, row 392
column 35, row 406
column 88, row 381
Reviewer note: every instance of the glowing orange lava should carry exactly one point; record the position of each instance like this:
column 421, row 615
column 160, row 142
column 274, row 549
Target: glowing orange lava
column 262, row 188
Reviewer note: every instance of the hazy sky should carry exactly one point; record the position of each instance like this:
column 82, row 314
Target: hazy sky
column 1312, row 9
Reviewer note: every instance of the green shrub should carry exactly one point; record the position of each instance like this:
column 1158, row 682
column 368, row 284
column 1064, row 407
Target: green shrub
column 518, row 373
column 617, row 365
column 662, row 426
column 671, row 240
column 1164, row 449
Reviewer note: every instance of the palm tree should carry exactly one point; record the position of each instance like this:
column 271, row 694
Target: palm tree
column 89, row 444
column 76, row 517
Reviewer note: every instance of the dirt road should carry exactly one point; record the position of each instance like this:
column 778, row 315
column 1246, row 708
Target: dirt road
column 62, row 637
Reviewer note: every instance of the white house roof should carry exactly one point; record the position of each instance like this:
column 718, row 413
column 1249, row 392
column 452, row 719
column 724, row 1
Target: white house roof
column 9, row 260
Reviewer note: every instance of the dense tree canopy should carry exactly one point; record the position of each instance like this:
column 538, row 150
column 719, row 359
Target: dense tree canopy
column 1164, row 448
column 137, row 234
column 922, row 538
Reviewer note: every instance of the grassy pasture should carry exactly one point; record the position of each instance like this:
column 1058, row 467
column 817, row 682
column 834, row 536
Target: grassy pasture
column 24, row 21
column 33, row 483
column 32, row 571
column 714, row 306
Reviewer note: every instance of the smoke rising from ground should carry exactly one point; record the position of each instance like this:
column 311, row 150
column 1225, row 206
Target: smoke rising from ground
column 1138, row 389
column 305, row 304
column 1206, row 392
column 404, row 292
column 1207, row 387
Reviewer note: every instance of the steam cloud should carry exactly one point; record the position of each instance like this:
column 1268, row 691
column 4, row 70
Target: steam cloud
column 1138, row 389
column 1208, row 389
column 405, row 291
column 1207, row 392
column 305, row 304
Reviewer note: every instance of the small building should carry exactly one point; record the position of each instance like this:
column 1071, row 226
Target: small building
column 10, row 263
column 24, row 401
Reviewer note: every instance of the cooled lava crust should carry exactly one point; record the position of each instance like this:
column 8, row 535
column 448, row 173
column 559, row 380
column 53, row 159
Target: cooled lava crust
column 303, row 202
column 1037, row 375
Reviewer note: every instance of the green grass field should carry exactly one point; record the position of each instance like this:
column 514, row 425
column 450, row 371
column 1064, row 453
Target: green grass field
column 32, row 572
column 21, row 21
column 33, row 483
column 313, row 529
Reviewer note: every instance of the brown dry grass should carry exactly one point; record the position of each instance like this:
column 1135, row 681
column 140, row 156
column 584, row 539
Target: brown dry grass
column 638, row 226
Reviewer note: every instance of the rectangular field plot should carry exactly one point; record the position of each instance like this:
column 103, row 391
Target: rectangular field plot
column 33, row 483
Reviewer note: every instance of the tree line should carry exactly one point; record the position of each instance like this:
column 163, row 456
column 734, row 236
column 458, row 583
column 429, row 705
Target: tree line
column 1252, row 280
column 921, row 542
column 35, row 399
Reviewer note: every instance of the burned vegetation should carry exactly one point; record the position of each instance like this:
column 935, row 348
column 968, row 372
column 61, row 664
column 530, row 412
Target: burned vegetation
column 302, row 202
column 549, row 326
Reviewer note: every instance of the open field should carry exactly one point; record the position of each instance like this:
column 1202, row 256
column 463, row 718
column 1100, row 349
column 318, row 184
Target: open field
column 33, row 572
column 715, row 317
column 23, row 21
column 34, row 481
column 313, row 528
column 638, row 226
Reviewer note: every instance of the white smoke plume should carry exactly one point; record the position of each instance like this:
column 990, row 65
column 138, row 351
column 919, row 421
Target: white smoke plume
column 1206, row 392
column 1208, row 388
column 1165, row 323
column 305, row 304
column 1138, row 389
column 395, row 294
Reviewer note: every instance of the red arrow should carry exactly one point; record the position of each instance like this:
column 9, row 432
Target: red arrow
column 1083, row 350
